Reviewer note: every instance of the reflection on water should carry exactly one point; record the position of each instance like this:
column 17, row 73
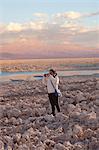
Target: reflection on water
column 60, row 73
column 78, row 72
column 20, row 76
column 20, row 73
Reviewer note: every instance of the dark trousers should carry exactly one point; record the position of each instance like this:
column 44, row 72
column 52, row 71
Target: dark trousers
column 54, row 102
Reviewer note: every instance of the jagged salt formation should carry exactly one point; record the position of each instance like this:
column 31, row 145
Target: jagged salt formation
column 26, row 123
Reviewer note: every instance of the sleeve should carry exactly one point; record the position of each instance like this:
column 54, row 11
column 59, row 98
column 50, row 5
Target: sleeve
column 55, row 80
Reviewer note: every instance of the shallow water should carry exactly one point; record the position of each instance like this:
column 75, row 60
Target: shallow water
column 20, row 73
column 60, row 73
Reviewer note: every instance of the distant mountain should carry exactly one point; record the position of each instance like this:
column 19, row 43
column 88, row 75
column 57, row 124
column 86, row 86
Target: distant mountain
column 9, row 56
column 52, row 54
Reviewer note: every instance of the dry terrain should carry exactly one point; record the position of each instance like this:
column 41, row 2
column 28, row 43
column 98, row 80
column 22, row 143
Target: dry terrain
column 44, row 64
column 26, row 123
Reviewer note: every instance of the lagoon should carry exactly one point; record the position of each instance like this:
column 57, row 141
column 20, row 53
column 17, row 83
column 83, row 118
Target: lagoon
column 39, row 74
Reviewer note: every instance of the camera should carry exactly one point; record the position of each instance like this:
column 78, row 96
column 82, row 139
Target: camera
column 46, row 75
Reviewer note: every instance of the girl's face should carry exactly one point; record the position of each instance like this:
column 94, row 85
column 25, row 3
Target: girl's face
column 51, row 73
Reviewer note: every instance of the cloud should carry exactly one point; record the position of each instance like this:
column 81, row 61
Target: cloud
column 76, row 28
column 89, row 38
column 62, row 33
column 41, row 15
column 47, row 32
column 2, row 28
column 68, row 15
column 11, row 27
column 66, row 19
column 16, row 27
column 38, row 25
column 92, row 14
column 72, row 15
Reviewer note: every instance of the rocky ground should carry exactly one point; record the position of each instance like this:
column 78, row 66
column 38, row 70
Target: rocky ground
column 26, row 123
column 44, row 64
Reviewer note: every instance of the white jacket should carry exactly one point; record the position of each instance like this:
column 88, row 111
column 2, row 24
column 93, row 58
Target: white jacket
column 47, row 81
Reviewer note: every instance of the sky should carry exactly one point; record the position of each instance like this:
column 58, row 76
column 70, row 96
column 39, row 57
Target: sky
column 49, row 28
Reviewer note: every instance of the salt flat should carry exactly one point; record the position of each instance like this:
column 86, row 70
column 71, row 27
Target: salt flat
column 25, row 114
column 26, row 122
column 44, row 64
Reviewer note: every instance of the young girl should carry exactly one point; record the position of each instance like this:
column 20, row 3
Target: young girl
column 52, row 81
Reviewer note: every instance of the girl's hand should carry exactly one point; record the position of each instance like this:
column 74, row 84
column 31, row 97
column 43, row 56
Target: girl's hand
column 46, row 75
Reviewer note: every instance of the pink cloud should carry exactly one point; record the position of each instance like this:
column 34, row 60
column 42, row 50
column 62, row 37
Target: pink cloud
column 51, row 37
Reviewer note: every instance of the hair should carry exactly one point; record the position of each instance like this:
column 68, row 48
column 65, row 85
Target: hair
column 54, row 72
